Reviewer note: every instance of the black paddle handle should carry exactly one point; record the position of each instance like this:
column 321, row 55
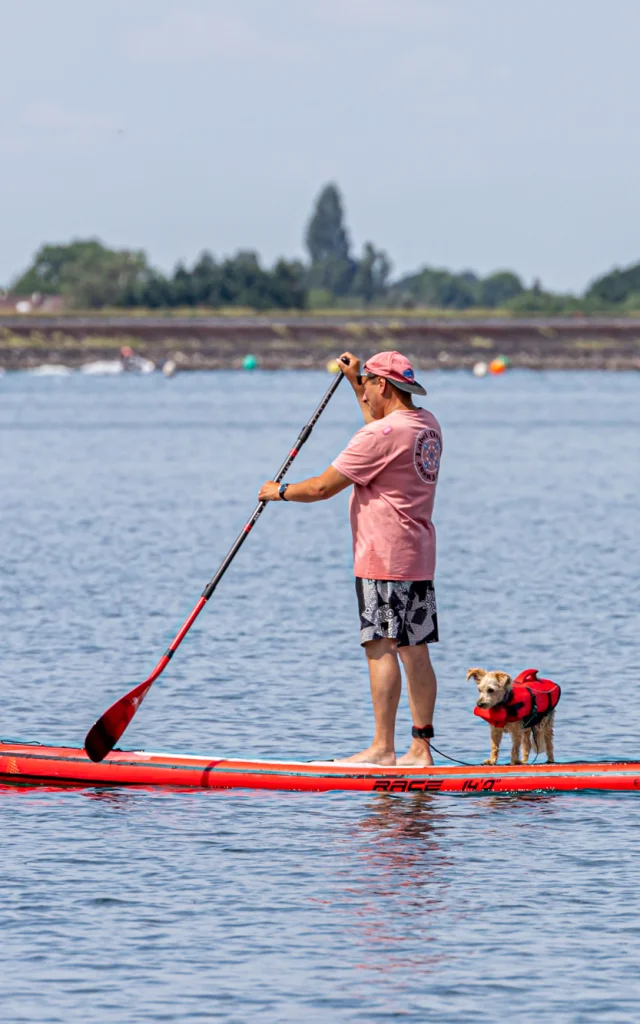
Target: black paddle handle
column 284, row 468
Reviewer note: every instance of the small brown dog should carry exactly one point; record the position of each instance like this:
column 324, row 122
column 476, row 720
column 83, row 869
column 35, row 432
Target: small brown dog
column 499, row 703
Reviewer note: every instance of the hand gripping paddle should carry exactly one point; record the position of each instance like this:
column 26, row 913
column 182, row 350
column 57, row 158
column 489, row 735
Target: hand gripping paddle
column 103, row 736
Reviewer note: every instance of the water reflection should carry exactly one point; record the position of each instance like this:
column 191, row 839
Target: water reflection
column 396, row 880
column 403, row 874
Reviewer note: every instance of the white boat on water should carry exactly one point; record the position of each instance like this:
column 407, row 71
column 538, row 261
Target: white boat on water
column 138, row 364
column 103, row 368
column 112, row 367
column 50, row 370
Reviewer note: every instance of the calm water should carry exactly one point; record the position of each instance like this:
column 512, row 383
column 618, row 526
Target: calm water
column 118, row 499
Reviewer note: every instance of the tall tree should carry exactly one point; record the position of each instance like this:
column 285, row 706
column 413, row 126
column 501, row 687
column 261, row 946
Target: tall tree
column 326, row 236
column 328, row 244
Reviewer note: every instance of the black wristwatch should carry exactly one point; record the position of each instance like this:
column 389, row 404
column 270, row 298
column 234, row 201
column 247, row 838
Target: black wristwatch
column 281, row 491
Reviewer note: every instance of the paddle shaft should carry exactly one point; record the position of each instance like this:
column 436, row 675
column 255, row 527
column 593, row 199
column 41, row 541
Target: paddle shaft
column 108, row 729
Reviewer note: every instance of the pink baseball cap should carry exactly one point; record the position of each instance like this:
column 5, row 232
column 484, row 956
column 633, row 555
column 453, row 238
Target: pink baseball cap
column 395, row 368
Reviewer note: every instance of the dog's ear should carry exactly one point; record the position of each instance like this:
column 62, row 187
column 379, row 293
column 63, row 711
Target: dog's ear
column 503, row 678
column 475, row 673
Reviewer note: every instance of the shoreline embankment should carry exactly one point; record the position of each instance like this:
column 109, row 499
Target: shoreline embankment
column 310, row 341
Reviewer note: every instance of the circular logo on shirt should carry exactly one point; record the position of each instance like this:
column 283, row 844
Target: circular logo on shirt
column 427, row 454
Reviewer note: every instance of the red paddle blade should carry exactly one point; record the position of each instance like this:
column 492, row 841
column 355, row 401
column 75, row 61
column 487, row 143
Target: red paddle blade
column 103, row 736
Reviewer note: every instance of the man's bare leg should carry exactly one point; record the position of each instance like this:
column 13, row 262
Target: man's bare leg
column 384, row 674
column 421, row 689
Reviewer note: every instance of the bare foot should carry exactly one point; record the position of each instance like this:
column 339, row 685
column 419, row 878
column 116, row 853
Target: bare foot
column 417, row 756
column 373, row 755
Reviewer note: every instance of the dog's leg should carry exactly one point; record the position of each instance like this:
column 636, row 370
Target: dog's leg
column 496, row 737
column 526, row 745
column 516, row 740
column 548, row 737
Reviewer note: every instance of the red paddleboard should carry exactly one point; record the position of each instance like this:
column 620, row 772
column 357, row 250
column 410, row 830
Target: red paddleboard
column 24, row 763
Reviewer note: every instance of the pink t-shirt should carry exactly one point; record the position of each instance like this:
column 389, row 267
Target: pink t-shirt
column 394, row 464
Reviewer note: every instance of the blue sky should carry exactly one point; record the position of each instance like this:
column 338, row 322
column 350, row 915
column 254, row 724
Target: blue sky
column 478, row 134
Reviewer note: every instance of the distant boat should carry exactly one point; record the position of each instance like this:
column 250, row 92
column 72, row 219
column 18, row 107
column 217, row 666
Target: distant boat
column 138, row 364
column 103, row 368
column 50, row 370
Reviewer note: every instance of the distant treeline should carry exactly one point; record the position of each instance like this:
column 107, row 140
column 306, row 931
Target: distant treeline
column 88, row 275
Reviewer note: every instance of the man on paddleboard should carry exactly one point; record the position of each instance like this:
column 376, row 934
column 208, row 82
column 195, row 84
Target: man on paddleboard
column 393, row 464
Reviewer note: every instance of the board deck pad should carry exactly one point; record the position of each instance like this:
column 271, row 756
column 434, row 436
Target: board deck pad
column 30, row 763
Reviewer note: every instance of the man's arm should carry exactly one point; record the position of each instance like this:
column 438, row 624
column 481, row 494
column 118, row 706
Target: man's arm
column 315, row 488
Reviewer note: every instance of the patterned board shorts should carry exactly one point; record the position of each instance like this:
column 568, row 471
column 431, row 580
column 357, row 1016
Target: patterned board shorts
column 398, row 610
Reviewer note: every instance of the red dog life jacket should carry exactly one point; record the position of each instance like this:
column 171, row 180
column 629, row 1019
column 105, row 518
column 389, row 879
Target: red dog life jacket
column 529, row 701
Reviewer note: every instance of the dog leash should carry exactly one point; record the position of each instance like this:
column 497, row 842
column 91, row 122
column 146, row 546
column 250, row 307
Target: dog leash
column 455, row 760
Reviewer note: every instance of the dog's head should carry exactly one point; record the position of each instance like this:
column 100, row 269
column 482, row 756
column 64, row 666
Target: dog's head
column 493, row 687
